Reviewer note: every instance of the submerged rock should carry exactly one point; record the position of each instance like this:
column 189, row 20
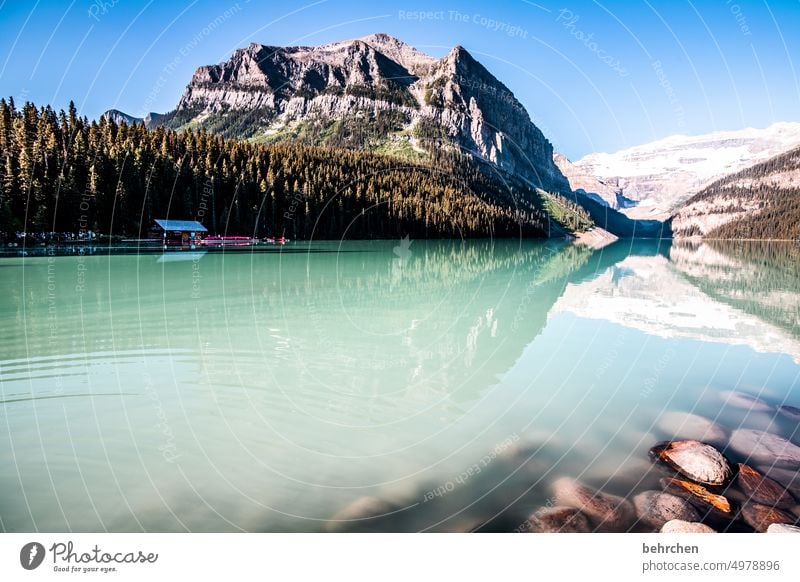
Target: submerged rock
column 683, row 425
column 680, row 526
column 762, row 489
column 782, row 528
column 697, row 494
column 697, row 461
column 607, row 512
column 791, row 412
column 760, row 517
column 747, row 401
column 764, row 447
column 360, row 514
column 655, row 508
column 789, row 478
column 558, row 520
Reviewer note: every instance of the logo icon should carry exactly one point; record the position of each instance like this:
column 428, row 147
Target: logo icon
column 31, row 555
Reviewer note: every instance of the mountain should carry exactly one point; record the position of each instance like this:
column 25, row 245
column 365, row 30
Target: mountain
column 117, row 116
column 374, row 93
column 654, row 179
column 759, row 202
column 608, row 193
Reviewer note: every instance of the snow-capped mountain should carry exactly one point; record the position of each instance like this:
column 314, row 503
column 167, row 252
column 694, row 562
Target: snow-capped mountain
column 654, row 179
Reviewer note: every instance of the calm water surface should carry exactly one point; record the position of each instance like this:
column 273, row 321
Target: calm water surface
column 451, row 382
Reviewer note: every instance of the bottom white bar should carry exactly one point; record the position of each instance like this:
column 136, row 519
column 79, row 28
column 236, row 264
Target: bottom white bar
column 399, row 556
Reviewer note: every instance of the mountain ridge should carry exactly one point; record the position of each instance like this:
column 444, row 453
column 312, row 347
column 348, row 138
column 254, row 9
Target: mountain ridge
column 653, row 180
column 375, row 93
column 761, row 201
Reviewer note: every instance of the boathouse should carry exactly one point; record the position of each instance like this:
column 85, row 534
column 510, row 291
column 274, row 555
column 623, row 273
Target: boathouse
column 178, row 231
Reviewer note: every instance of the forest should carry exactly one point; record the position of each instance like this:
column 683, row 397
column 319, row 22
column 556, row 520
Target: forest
column 61, row 173
column 778, row 213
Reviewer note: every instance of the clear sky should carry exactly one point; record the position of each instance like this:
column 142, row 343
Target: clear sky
column 594, row 76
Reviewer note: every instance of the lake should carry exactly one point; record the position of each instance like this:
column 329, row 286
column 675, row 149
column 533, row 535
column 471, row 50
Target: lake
column 421, row 385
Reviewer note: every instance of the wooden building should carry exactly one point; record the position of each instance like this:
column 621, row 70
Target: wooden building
column 178, row 232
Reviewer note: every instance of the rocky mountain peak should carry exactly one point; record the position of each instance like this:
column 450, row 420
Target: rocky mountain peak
column 398, row 98
column 409, row 57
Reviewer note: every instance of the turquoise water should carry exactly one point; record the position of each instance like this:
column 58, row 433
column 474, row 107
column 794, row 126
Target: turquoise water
column 267, row 391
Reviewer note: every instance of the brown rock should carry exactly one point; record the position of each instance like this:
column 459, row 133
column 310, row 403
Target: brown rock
column 766, row 448
column 748, row 402
column 697, row 461
column 607, row 512
column 760, row 517
column 558, row 520
column 680, row 526
column 683, row 425
column 789, row 478
column 655, row 508
column 762, row 489
column 698, row 494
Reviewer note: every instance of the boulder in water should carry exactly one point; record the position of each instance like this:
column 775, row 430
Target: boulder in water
column 697, row 461
column 607, row 512
column 791, row 412
column 558, row 520
column 746, row 401
column 764, row 447
column 760, row 517
column 680, row 526
column 360, row 514
column 683, row 425
column 782, row 528
column 698, row 495
column 655, row 508
column 762, row 489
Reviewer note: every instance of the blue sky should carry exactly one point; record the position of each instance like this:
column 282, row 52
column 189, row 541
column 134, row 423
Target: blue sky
column 594, row 76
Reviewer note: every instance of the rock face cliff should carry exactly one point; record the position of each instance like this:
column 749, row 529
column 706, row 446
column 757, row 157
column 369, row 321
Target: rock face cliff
column 374, row 93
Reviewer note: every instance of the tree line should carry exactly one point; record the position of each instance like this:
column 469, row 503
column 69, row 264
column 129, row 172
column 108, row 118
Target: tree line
column 60, row 172
column 777, row 213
